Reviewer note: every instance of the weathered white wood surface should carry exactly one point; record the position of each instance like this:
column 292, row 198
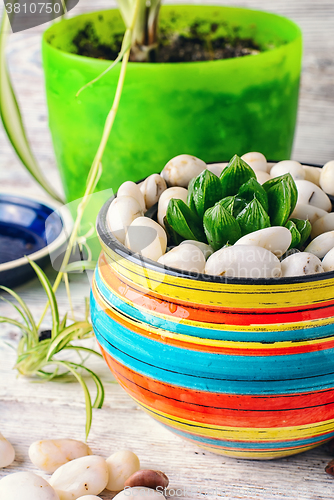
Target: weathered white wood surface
column 31, row 411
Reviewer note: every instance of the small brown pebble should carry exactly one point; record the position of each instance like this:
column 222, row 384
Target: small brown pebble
column 148, row 479
column 330, row 468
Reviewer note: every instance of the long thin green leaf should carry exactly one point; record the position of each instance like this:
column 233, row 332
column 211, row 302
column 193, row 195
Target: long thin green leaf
column 65, row 336
column 63, row 323
column 12, row 119
column 15, row 323
column 51, row 296
column 80, row 265
column 18, row 310
column 99, row 386
column 26, row 310
column 82, row 348
column 88, row 401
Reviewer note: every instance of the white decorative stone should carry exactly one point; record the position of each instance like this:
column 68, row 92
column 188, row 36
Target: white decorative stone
column 261, row 176
column 321, row 244
column 7, row 452
column 308, row 212
column 312, row 174
column 301, row 264
column 243, row 261
column 122, row 211
column 82, row 476
column 26, row 486
column 146, row 237
column 181, row 169
column 177, row 193
column 121, row 465
column 277, row 239
column 204, row 247
column 328, row 261
column 217, row 168
column 312, row 194
column 89, row 497
column 152, row 188
column 187, row 257
column 49, row 454
column 322, row 225
column 132, row 189
column 326, row 180
column 288, row 167
column 257, row 161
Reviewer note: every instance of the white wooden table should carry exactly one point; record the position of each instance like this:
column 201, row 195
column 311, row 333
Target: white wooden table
column 30, row 411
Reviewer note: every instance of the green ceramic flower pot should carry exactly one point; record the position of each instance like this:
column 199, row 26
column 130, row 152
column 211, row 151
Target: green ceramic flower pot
column 209, row 109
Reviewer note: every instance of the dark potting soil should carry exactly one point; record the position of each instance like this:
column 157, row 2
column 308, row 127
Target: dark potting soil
column 196, row 46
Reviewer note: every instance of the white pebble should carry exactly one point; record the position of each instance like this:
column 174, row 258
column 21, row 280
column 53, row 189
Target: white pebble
column 186, row 257
column 7, row 452
column 257, row 161
column 277, row 239
column 217, row 168
column 240, row 261
column 50, row 454
column 322, row 225
column 328, row 261
column 261, row 176
column 301, row 264
column 132, row 189
column 311, row 194
column 122, row 211
column 206, row 249
column 312, row 174
column 321, row 244
column 89, row 497
column 146, row 237
column 121, row 465
column 139, row 493
column 152, row 187
column 181, row 169
column 178, row 193
column 308, row 212
column 288, row 167
column 326, row 180
column 82, row 476
column 26, row 486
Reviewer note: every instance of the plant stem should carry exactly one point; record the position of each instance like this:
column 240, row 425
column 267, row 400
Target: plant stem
column 94, row 170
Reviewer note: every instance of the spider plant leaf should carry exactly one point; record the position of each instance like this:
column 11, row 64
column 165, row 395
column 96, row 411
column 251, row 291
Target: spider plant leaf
column 98, row 403
column 63, row 323
column 81, row 265
column 64, row 337
column 51, row 296
column 85, row 349
column 11, row 116
column 18, row 310
column 21, row 326
column 72, row 367
column 26, row 310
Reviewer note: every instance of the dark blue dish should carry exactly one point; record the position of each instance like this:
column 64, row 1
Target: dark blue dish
column 24, row 232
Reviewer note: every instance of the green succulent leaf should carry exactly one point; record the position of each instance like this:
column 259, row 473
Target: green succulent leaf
column 220, row 226
column 295, row 234
column 205, row 191
column 253, row 217
column 173, row 238
column 304, row 227
column 282, row 198
column 184, row 221
column 253, row 188
column 190, row 199
column 235, row 175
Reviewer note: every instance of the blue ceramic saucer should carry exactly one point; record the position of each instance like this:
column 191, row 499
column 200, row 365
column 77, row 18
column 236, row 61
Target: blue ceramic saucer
column 28, row 228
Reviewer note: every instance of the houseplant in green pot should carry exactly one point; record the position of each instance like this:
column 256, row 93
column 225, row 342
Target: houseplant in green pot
column 210, row 108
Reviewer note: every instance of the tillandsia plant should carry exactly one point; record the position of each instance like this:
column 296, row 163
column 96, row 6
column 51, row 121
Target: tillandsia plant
column 38, row 356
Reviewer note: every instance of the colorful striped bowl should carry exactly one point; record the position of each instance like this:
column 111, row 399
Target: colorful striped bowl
column 241, row 367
